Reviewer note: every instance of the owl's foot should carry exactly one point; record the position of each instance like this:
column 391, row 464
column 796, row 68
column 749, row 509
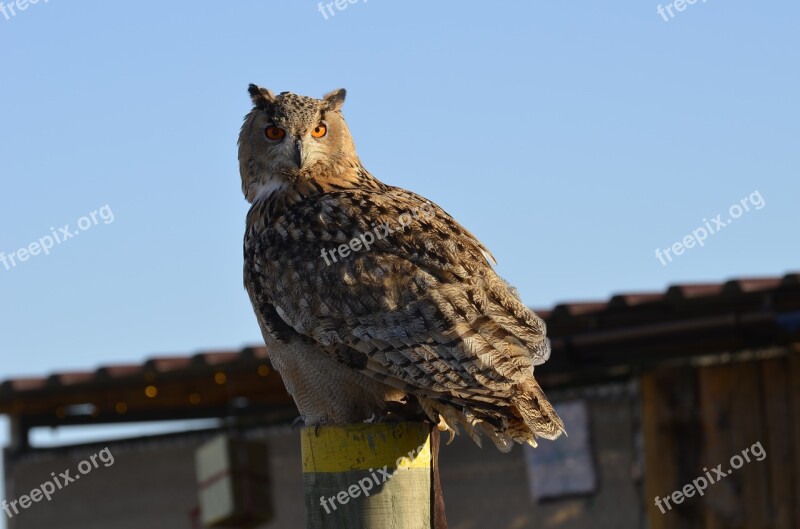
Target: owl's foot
column 300, row 421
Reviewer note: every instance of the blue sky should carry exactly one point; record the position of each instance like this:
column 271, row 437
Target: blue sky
column 572, row 138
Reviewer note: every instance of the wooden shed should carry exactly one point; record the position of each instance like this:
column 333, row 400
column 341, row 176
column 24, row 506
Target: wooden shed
column 674, row 386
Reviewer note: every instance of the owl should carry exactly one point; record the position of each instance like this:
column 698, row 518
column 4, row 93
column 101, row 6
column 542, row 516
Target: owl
column 375, row 304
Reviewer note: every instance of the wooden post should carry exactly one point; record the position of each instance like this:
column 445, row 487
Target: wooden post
column 372, row 476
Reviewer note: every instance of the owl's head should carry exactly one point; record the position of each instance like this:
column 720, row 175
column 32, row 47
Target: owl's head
column 289, row 138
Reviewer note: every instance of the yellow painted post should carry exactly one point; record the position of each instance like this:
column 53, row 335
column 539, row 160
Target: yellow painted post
column 372, row 476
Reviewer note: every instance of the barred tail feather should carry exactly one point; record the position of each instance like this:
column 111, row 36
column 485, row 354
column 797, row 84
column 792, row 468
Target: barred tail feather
column 536, row 411
column 528, row 416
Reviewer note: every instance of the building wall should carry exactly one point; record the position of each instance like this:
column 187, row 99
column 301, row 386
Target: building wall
column 146, row 486
column 740, row 418
column 484, row 488
column 152, row 483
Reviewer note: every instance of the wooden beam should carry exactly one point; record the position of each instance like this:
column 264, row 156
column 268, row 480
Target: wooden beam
column 670, row 423
column 794, row 421
column 372, row 476
column 776, row 385
column 731, row 404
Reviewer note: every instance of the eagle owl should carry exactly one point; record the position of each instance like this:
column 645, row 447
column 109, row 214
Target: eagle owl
column 373, row 301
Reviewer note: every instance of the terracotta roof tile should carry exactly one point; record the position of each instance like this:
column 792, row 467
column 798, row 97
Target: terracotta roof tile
column 752, row 285
column 166, row 364
column 71, row 378
column 636, row 298
column 215, row 358
column 120, row 371
column 578, row 308
column 694, row 290
column 24, row 384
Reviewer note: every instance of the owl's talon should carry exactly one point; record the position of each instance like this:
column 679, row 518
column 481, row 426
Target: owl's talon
column 298, row 421
column 442, row 426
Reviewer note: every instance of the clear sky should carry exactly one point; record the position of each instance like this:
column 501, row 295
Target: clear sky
column 572, row 138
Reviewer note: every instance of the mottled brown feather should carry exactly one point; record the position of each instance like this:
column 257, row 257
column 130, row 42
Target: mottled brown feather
column 422, row 311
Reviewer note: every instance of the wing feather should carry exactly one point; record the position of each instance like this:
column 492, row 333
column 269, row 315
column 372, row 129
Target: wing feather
column 422, row 304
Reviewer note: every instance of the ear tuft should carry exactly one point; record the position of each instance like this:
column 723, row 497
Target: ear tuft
column 261, row 97
column 335, row 99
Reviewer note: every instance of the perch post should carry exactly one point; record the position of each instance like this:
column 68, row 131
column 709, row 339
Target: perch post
column 372, row 476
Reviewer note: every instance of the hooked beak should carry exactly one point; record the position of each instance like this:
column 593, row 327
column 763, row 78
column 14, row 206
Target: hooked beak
column 297, row 152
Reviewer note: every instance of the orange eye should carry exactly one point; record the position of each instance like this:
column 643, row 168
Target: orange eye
column 274, row 133
column 319, row 131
